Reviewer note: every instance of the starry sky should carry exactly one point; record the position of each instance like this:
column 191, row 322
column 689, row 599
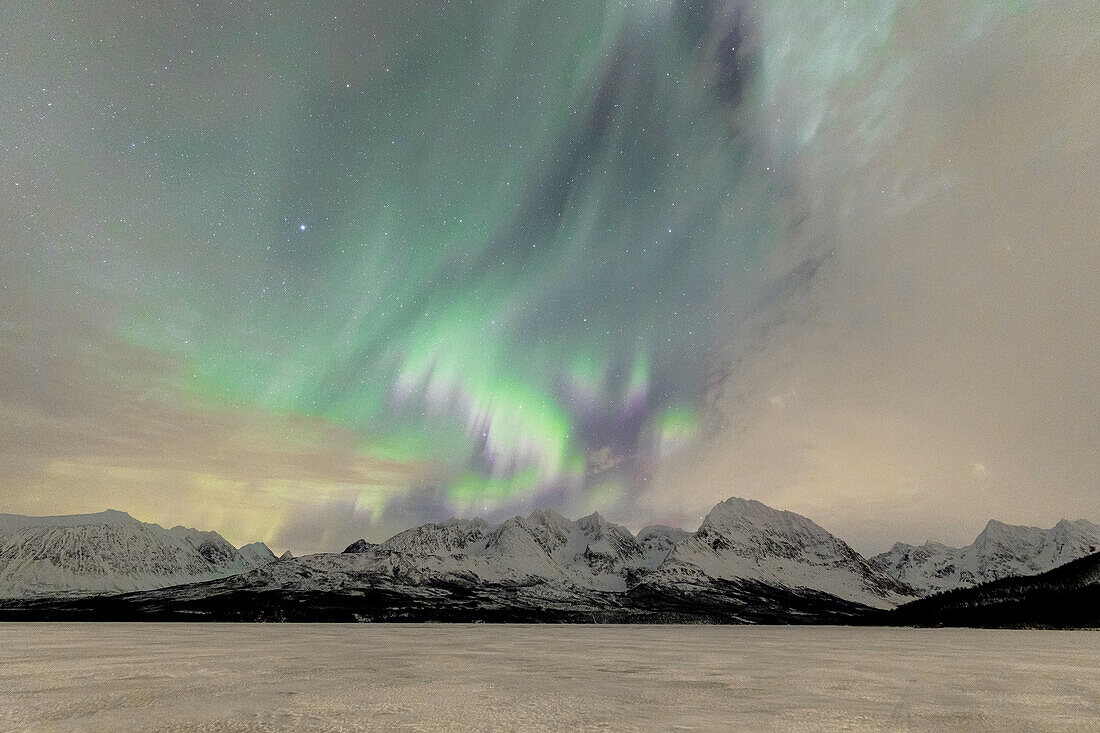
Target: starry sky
column 308, row 272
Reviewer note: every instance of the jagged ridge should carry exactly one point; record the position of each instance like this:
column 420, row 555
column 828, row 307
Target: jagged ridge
column 739, row 541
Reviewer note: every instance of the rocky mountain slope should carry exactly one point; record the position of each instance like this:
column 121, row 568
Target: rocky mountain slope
column 1000, row 551
column 111, row 552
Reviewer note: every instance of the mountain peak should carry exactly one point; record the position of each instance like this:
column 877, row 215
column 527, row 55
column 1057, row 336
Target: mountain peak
column 748, row 514
column 737, row 502
column 105, row 517
column 1081, row 525
column 998, row 531
column 547, row 517
column 256, row 553
column 736, row 506
column 593, row 522
column 360, row 546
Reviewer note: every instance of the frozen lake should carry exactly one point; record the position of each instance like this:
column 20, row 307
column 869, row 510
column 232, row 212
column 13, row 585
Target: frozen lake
column 83, row 677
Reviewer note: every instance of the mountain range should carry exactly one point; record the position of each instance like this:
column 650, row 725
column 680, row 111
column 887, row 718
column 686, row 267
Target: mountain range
column 746, row 562
column 111, row 552
column 1000, row 551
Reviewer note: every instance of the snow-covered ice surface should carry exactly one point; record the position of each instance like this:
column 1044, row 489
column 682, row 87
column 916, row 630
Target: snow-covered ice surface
column 80, row 677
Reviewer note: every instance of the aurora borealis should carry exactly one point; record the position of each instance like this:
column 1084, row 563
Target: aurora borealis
column 309, row 272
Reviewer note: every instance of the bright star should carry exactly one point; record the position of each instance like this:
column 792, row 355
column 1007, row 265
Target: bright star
column 302, row 227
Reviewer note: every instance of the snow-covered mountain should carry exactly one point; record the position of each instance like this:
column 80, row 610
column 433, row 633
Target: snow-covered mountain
column 256, row 554
column 542, row 547
column 111, row 552
column 1000, row 551
column 360, row 546
column 739, row 540
column 746, row 540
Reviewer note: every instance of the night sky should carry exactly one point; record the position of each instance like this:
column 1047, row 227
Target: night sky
column 308, row 272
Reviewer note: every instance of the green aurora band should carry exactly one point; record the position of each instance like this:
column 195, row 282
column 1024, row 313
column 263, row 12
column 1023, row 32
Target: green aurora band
column 501, row 238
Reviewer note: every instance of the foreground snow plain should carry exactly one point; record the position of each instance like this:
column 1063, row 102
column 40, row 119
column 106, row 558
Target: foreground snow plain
column 243, row 677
